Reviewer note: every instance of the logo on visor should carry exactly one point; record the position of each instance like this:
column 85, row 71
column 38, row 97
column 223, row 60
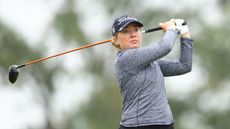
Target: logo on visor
column 125, row 19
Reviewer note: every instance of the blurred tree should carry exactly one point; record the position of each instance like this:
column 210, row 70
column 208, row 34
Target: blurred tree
column 67, row 23
column 104, row 110
column 12, row 46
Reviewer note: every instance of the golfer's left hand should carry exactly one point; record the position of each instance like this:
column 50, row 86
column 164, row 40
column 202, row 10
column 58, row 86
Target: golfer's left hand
column 181, row 28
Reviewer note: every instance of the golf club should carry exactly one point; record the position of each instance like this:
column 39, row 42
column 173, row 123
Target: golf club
column 157, row 28
column 14, row 69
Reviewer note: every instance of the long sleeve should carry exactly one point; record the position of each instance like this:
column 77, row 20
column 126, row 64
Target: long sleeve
column 181, row 66
column 140, row 57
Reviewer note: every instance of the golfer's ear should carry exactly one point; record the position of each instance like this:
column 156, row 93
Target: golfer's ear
column 114, row 41
column 114, row 38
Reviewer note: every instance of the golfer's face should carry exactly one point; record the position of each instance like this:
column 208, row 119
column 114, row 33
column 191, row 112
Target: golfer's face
column 130, row 37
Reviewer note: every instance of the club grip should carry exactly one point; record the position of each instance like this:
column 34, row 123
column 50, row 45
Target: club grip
column 157, row 28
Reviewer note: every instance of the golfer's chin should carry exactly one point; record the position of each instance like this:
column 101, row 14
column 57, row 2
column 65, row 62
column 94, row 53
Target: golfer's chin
column 134, row 45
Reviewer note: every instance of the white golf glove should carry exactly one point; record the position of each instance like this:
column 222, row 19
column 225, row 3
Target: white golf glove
column 181, row 28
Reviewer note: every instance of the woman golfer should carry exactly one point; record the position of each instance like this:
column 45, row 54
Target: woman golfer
column 141, row 71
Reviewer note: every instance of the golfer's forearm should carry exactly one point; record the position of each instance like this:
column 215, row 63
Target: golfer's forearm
column 186, row 54
column 184, row 65
column 167, row 42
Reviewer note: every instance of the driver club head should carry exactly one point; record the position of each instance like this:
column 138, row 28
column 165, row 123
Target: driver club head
column 13, row 73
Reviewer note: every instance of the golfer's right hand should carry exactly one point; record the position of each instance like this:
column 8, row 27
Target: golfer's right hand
column 168, row 25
